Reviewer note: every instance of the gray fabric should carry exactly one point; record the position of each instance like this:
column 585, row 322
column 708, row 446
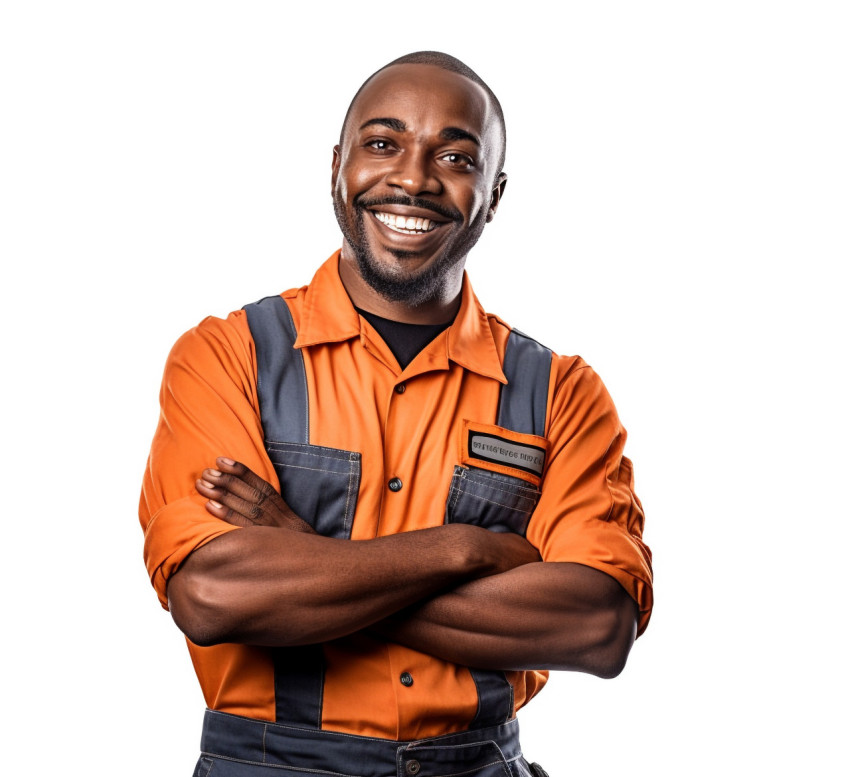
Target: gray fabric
column 320, row 484
column 281, row 377
column 500, row 503
column 495, row 698
column 522, row 403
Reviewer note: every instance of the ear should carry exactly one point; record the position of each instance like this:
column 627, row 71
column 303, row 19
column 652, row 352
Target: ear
column 496, row 195
column 335, row 168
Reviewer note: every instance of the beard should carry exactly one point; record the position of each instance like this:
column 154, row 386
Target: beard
column 395, row 284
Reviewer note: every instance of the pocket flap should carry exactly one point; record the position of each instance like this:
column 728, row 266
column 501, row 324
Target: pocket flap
column 500, row 450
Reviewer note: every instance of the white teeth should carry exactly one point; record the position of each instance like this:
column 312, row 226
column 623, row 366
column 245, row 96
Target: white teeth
column 405, row 225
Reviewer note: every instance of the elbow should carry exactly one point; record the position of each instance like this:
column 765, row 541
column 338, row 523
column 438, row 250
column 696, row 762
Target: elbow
column 198, row 609
column 610, row 652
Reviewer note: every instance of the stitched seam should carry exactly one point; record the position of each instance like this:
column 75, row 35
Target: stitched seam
column 346, row 527
column 470, row 771
column 282, row 448
column 456, row 487
column 311, row 469
column 277, row 766
column 492, row 485
column 500, row 504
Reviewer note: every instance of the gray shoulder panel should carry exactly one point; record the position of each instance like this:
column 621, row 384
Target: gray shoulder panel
column 281, row 377
column 522, row 402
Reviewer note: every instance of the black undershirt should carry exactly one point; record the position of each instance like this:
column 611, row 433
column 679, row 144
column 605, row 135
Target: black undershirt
column 404, row 340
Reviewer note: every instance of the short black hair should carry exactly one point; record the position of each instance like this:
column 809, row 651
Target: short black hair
column 446, row 62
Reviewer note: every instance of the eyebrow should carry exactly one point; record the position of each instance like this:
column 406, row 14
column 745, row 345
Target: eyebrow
column 397, row 125
column 456, row 133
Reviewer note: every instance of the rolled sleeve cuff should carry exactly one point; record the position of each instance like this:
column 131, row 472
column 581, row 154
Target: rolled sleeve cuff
column 608, row 548
column 173, row 533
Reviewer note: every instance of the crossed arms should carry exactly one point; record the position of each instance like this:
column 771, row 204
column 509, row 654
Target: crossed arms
column 251, row 572
column 458, row 592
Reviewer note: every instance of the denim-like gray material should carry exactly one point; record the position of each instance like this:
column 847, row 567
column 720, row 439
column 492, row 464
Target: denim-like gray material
column 233, row 746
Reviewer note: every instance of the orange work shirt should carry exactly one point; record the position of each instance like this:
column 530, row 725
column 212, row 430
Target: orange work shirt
column 587, row 512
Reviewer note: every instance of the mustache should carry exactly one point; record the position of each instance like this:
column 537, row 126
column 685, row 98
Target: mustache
column 410, row 202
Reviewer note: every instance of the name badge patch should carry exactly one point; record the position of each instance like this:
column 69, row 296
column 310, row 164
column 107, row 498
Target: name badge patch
column 501, row 450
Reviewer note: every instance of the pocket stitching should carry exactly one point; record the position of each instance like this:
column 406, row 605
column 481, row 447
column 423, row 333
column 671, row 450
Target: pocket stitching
column 502, row 504
column 492, row 485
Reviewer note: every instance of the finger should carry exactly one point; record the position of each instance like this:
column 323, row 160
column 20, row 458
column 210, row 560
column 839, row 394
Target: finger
column 234, row 484
column 223, row 513
column 208, row 490
column 254, row 513
column 246, row 474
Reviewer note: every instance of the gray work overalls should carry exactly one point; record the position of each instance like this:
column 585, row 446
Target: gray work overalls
column 326, row 498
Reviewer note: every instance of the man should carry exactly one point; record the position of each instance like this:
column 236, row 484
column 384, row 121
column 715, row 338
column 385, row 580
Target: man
column 456, row 513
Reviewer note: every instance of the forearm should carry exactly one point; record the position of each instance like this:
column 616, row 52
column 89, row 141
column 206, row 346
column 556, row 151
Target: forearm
column 270, row 586
column 538, row 616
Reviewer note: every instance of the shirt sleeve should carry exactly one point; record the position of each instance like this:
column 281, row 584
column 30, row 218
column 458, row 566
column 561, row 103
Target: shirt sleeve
column 209, row 408
column 588, row 512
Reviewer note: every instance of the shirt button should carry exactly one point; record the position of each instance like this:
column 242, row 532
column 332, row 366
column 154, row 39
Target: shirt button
column 406, row 679
column 400, row 389
column 412, row 767
column 395, row 484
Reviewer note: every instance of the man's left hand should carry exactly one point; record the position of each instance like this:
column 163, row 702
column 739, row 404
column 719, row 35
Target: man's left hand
column 241, row 497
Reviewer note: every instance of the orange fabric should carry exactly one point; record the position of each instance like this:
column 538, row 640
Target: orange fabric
column 588, row 512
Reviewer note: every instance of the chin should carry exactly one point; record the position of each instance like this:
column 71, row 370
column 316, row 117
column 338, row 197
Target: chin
column 396, row 283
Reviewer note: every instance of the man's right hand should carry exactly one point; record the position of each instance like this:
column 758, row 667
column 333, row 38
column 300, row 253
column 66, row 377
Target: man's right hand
column 241, row 497
column 506, row 549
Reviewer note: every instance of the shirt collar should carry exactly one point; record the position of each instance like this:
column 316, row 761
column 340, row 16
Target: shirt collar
column 329, row 317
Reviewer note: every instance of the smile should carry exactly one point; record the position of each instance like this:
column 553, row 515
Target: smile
column 407, row 225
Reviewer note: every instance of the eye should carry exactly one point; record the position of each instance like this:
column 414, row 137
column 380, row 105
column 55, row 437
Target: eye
column 379, row 144
column 461, row 161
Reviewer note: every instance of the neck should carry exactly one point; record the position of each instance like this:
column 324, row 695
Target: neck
column 443, row 307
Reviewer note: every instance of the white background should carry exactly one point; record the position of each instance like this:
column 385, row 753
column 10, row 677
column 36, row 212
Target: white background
column 677, row 213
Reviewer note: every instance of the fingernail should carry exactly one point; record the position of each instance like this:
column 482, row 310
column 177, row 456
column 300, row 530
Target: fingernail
column 228, row 462
column 215, row 504
column 214, row 473
column 208, row 485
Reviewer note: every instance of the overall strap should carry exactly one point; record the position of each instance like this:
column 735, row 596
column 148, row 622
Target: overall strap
column 522, row 402
column 299, row 672
column 281, row 377
column 522, row 408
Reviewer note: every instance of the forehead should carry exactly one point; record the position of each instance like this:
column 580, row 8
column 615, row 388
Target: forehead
column 427, row 99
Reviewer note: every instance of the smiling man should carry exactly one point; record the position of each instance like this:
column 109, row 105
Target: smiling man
column 378, row 513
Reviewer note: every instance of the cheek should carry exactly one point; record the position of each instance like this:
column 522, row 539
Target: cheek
column 475, row 205
column 355, row 179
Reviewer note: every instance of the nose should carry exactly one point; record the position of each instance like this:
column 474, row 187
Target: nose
column 415, row 174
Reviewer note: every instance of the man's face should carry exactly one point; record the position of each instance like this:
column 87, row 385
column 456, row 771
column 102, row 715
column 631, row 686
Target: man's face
column 414, row 179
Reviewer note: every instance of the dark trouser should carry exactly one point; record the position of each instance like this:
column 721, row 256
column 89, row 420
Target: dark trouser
column 232, row 746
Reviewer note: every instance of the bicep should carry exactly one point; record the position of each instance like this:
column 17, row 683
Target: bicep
column 208, row 409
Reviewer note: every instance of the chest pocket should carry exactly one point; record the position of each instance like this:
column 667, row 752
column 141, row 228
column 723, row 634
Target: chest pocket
column 320, row 484
column 493, row 501
column 496, row 500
